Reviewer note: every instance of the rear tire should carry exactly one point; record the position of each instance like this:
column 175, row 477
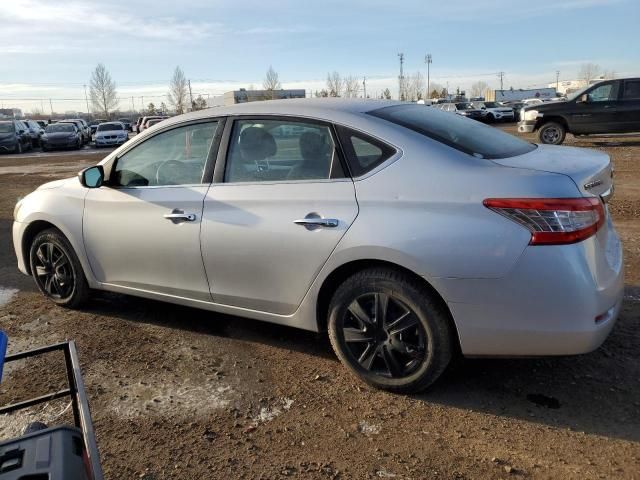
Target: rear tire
column 56, row 269
column 552, row 133
column 399, row 339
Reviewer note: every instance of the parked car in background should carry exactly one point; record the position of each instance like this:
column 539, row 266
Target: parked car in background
column 532, row 101
column 136, row 127
column 14, row 137
column 34, row 130
column 126, row 122
column 494, row 111
column 111, row 134
column 482, row 243
column 85, row 133
column 610, row 106
column 516, row 106
column 93, row 126
column 154, row 121
column 466, row 109
column 143, row 122
column 42, row 123
column 62, row 135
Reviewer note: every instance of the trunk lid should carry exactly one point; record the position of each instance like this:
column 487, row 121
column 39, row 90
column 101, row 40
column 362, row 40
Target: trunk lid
column 591, row 170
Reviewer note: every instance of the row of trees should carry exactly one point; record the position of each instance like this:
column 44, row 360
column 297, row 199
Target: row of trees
column 104, row 95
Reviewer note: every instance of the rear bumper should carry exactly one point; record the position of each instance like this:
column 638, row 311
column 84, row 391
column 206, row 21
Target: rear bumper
column 557, row 300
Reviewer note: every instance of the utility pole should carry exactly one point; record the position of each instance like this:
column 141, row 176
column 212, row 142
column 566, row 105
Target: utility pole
column 428, row 60
column 364, row 86
column 142, row 102
column 401, row 78
column 85, row 98
column 133, row 106
column 190, row 94
column 51, row 105
column 557, row 80
column 501, row 75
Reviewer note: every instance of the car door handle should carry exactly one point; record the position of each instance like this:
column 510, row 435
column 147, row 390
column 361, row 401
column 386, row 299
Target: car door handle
column 317, row 222
column 176, row 216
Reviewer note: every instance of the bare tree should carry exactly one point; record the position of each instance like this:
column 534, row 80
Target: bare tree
column 178, row 91
column 479, row 88
column 335, row 84
column 151, row 109
column 351, row 86
column 271, row 82
column 436, row 88
column 386, row 94
column 414, row 87
column 102, row 91
column 199, row 103
column 589, row 71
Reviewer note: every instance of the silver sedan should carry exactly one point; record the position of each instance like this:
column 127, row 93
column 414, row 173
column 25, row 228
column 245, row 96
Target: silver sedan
column 409, row 234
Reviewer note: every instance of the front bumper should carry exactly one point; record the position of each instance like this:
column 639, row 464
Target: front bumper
column 18, row 233
column 557, row 300
column 526, row 126
column 108, row 142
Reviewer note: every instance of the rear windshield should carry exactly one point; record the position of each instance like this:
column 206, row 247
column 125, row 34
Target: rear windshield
column 110, row 127
column 60, row 127
column 7, row 127
column 463, row 134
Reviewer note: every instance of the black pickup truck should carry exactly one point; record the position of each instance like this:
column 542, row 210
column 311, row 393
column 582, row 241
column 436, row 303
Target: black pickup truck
column 610, row 106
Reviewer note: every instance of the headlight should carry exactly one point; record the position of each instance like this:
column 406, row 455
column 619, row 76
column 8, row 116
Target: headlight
column 530, row 115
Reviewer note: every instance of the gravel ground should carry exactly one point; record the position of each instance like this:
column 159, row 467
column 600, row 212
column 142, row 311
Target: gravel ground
column 185, row 394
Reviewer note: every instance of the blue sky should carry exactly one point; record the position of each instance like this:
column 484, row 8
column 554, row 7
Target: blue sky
column 48, row 48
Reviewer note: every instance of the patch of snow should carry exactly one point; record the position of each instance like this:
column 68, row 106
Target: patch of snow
column 368, row 428
column 267, row 414
column 385, row 474
column 6, row 295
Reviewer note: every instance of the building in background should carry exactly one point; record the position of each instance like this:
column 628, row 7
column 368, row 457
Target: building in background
column 10, row 113
column 520, row 94
column 244, row 96
column 567, row 87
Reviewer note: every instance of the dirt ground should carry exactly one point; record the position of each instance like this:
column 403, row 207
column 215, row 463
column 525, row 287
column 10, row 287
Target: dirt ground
column 185, row 394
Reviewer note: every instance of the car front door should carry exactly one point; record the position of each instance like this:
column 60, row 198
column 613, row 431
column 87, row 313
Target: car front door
column 629, row 108
column 142, row 229
column 596, row 110
column 278, row 207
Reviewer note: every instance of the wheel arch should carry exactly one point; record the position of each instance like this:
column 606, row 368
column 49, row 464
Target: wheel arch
column 553, row 118
column 344, row 271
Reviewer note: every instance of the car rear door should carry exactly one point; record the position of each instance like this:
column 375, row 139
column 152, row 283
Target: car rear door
column 599, row 113
column 280, row 203
column 142, row 229
column 629, row 107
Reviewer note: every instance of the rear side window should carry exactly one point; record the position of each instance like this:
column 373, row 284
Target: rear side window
column 364, row 153
column 631, row 90
column 468, row 136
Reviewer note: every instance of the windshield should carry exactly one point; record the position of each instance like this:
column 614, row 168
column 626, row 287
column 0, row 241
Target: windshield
column 59, row 128
column 109, row 127
column 491, row 104
column 7, row 127
column 469, row 136
column 465, row 106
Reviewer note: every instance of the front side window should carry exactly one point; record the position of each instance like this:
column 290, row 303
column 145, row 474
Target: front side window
column 281, row 150
column 174, row 157
column 604, row 93
column 469, row 136
column 631, row 90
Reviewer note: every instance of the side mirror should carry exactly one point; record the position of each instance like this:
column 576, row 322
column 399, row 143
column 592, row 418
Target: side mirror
column 92, row 177
column 584, row 98
column 20, row 131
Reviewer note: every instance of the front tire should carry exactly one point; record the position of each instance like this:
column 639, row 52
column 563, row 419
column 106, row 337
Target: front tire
column 57, row 270
column 390, row 331
column 552, row 133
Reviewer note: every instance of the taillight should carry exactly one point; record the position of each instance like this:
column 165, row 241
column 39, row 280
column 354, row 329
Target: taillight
column 552, row 221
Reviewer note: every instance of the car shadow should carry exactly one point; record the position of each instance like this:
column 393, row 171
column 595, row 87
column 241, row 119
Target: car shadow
column 596, row 393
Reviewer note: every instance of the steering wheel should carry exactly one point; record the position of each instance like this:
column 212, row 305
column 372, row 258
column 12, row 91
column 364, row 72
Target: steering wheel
column 168, row 177
column 262, row 165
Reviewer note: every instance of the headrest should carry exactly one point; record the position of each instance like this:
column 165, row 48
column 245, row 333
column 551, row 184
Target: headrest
column 257, row 144
column 313, row 145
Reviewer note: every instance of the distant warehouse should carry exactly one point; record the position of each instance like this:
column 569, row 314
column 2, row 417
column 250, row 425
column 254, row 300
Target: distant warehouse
column 244, row 96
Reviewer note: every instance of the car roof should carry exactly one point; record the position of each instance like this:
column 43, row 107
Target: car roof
column 320, row 108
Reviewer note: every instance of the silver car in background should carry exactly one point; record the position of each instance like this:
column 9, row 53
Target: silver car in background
column 408, row 233
column 111, row 134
